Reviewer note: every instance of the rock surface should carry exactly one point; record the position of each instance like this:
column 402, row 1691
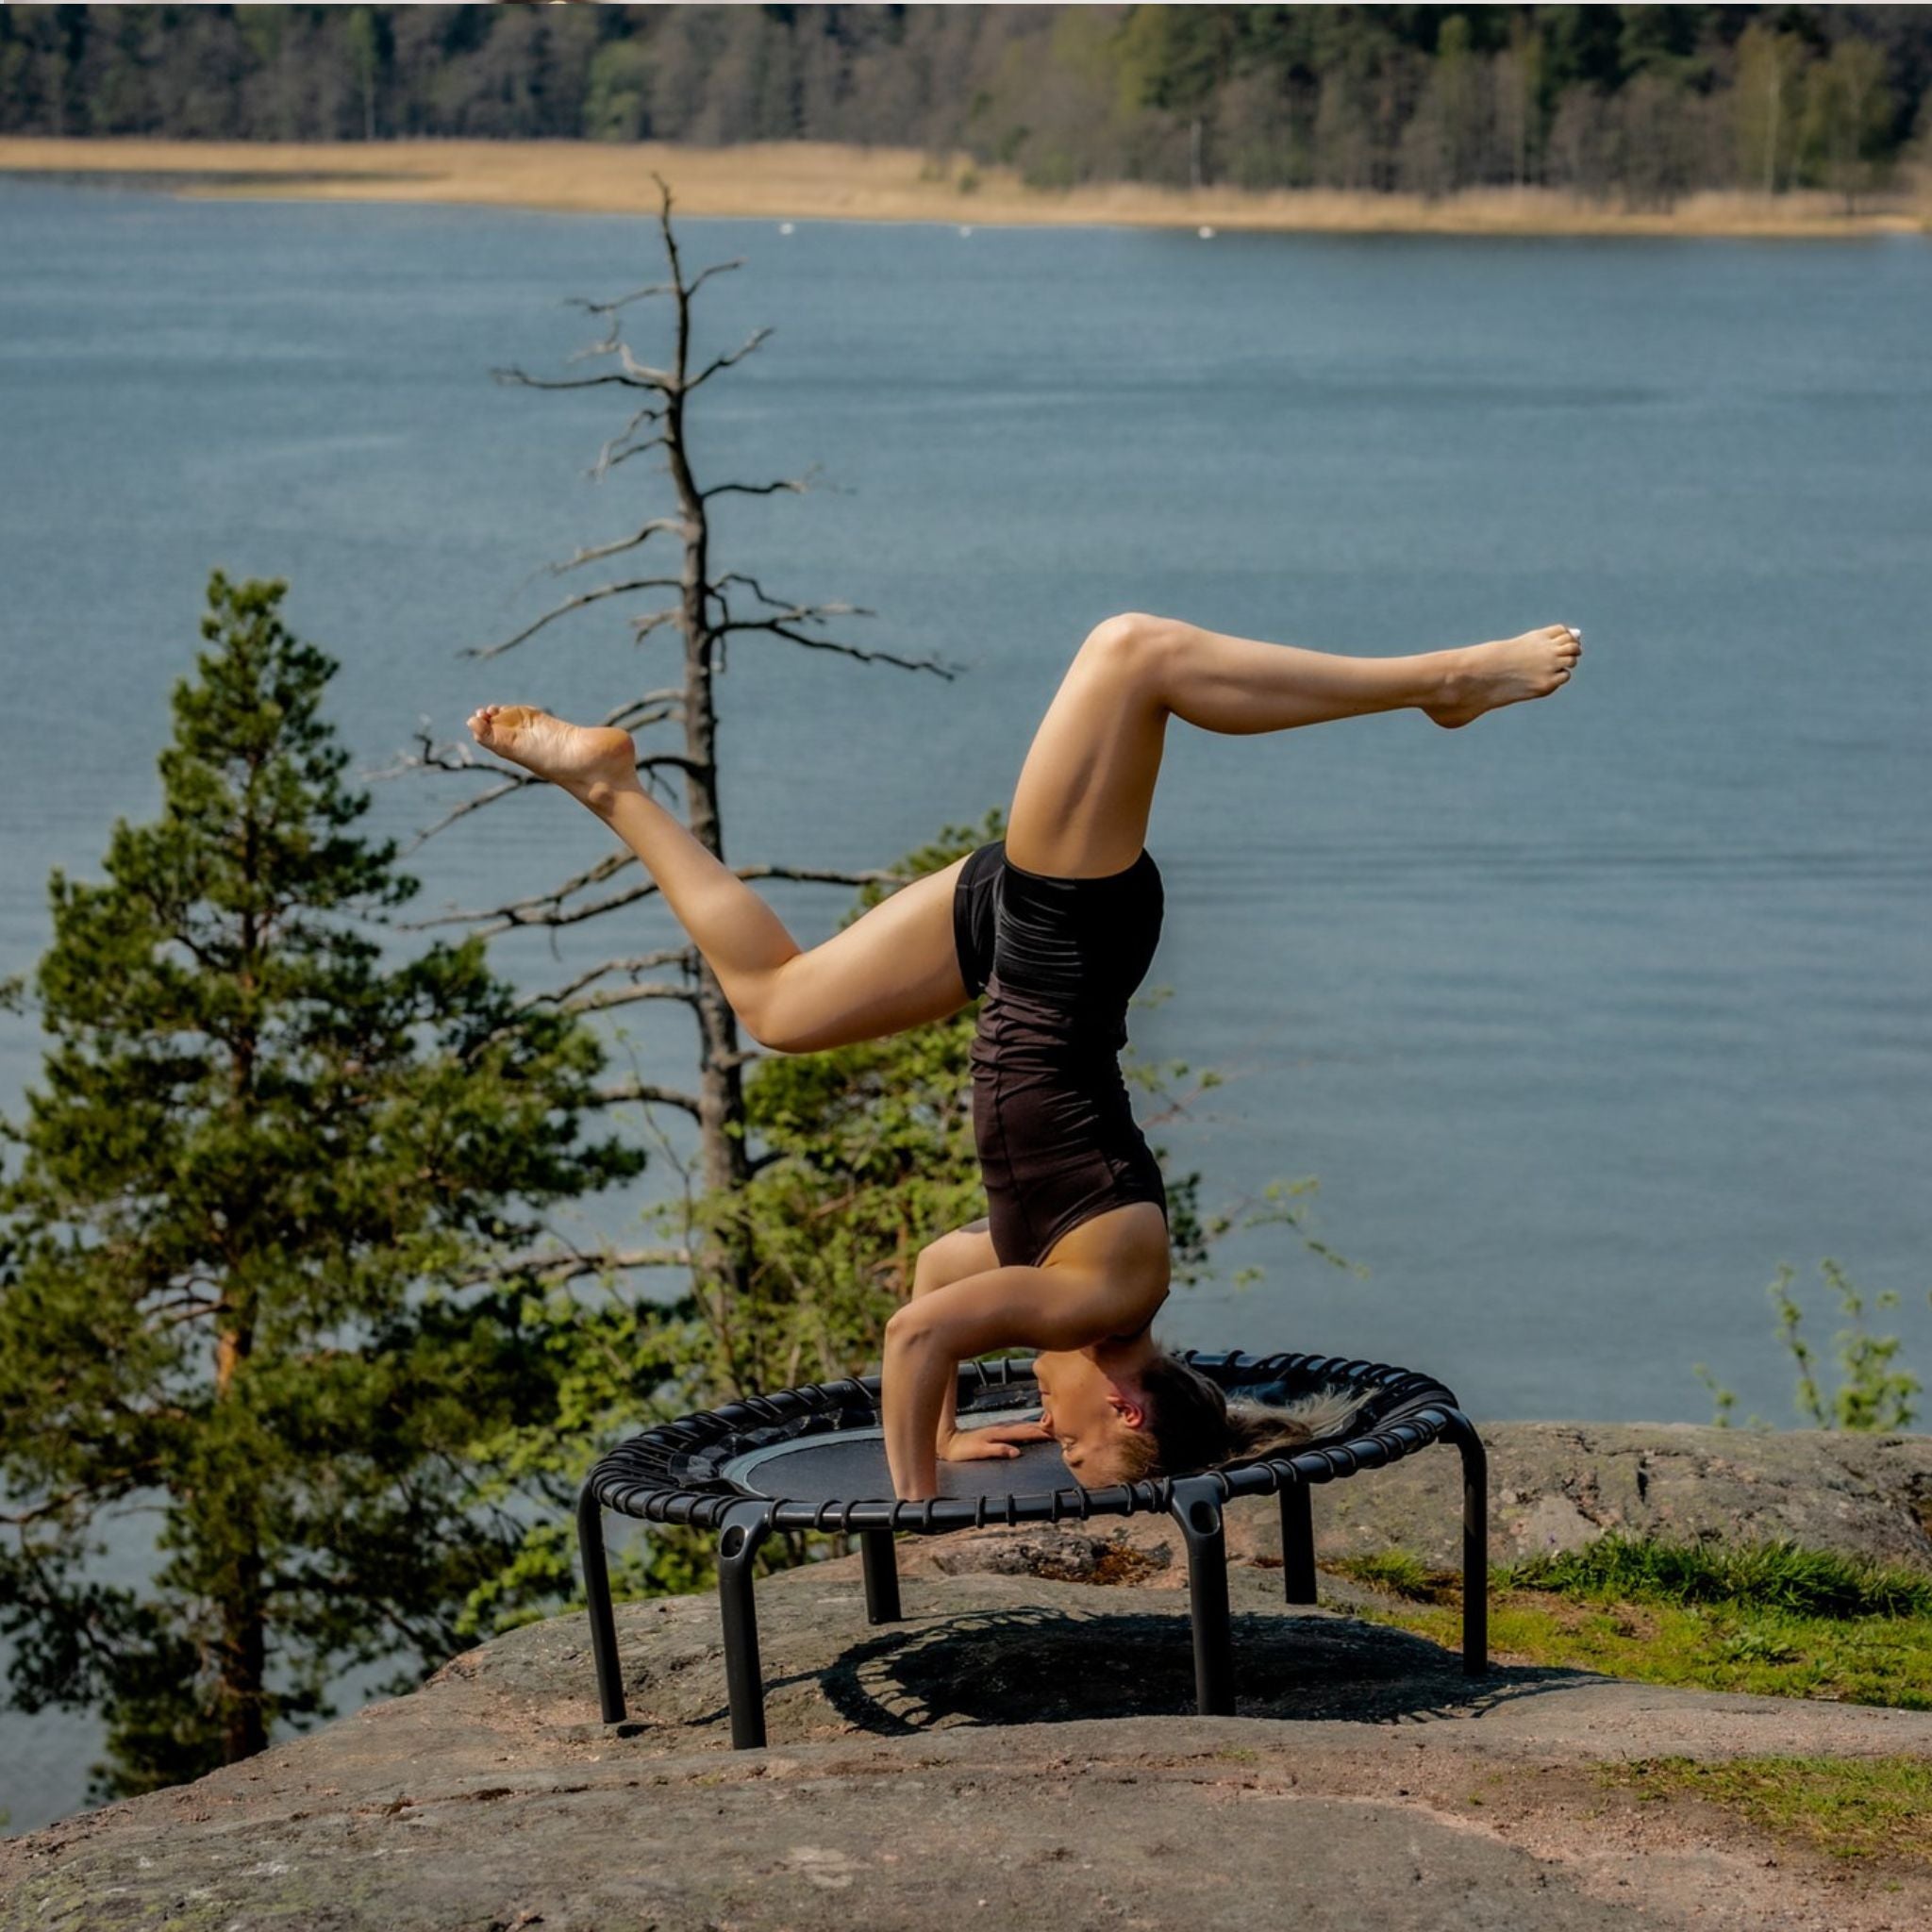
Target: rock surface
column 1021, row 1746
column 1555, row 1486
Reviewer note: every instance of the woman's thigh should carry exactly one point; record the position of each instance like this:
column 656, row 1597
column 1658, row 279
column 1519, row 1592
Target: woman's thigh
column 895, row 966
column 953, row 1256
column 1086, row 789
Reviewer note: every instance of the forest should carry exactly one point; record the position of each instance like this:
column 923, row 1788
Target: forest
column 1643, row 104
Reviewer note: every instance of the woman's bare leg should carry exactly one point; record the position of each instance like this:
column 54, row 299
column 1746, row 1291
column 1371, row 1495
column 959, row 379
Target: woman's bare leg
column 1082, row 803
column 893, row 968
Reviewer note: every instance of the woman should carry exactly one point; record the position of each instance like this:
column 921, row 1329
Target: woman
column 1058, row 922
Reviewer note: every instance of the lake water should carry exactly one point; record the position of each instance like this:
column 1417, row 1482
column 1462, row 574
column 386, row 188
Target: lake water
column 1585, row 1018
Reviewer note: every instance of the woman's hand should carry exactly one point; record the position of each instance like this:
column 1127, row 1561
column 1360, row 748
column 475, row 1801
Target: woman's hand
column 1000, row 1438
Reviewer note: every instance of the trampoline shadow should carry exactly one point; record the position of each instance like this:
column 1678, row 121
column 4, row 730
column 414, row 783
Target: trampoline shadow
column 1037, row 1665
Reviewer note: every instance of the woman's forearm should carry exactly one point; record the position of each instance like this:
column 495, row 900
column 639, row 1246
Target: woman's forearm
column 917, row 1376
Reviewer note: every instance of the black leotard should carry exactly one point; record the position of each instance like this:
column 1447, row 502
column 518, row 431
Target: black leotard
column 1057, row 960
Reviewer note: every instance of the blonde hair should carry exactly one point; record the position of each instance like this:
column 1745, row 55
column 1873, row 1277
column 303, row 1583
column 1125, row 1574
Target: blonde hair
column 1192, row 1424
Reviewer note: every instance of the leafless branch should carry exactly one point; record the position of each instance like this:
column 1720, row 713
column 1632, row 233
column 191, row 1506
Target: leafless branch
column 617, row 302
column 558, row 567
column 668, row 695
column 674, row 760
column 675, row 524
column 644, row 375
column 547, row 909
column 514, row 782
column 736, row 356
column 519, row 378
column 645, row 412
column 781, row 630
column 685, row 957
column 758, row 590
column 796, row 485
column 432, row 755
column 629, row 996
column 610, row 456
column 705, row 275
column 717, row 268
column 654, row 619
column 607, row 346
column 794, row 613
column 570, row 603
column 622, row 1092
column 556, row 1266
column 607, row 866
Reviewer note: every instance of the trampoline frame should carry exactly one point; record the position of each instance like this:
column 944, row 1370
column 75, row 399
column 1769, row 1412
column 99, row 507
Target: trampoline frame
column 1401, row 1412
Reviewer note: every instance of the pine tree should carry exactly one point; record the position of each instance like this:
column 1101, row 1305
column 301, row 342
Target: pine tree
column 263, row 1264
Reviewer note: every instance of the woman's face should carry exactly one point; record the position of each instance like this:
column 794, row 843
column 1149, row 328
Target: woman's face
column 1088, row 1413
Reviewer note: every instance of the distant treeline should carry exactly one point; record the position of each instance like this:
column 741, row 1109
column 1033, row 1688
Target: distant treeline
column 1646, row 103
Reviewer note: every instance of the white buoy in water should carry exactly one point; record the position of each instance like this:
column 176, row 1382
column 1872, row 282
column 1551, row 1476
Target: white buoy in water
column 1206, row 233
column 784, row 227
column 965, row 230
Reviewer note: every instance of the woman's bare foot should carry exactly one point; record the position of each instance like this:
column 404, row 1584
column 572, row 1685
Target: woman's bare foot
column 585, row 759
column 1488, row 675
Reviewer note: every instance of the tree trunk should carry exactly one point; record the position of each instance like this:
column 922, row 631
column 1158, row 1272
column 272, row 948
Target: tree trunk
column 242, row 1649
column 721, row 1079
column 245, row 1658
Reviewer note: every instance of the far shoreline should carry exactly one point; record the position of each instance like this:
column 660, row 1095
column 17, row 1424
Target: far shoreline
column 820, row 181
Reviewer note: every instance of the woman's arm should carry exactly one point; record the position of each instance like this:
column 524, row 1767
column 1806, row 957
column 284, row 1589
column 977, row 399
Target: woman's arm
column 931, row 1336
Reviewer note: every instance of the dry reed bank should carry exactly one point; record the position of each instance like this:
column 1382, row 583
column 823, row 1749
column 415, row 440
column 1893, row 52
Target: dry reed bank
column 809, row 180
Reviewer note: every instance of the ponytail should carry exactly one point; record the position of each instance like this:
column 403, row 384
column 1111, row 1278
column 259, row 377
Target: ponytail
column 1259, row 1432
column 1192, row 1426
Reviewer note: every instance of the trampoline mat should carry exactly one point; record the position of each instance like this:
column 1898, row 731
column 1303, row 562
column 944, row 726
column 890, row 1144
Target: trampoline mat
column 851, row 1464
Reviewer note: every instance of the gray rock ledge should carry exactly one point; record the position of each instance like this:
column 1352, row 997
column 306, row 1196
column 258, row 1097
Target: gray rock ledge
column 1021, row 1748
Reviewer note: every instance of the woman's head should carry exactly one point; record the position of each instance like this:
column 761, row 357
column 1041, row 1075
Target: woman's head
column 1167, row 1419
column 1091, row 1412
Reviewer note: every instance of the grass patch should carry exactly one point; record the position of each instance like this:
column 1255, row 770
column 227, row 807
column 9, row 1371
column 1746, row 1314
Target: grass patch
column 1771, row 1618
column 1851, row 1808
column 1400, row 1573
column 1772, row 1575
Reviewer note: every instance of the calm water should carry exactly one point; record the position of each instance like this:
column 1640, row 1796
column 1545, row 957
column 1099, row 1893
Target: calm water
column 1585, row 1018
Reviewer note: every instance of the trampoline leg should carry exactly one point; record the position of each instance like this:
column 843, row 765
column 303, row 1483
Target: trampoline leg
column 881, row 1576
column 741, row 1529
column 1297, row 1543
column 597, row 1596
column 1475, row 1544
column 1197, row 1506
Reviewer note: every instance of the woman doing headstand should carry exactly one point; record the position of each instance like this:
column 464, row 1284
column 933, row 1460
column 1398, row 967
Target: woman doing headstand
column 1058, row 923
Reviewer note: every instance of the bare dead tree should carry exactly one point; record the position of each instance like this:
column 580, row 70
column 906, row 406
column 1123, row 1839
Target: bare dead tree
column 706, row 609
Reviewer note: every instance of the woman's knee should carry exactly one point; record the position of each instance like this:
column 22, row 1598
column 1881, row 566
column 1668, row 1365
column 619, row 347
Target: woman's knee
column 910, row 1328
column 1133, row 645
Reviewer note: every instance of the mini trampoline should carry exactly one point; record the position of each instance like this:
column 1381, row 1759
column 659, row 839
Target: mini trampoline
column 813, row 1458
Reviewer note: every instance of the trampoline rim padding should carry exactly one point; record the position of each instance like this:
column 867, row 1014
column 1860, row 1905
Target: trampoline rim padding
column 1402, row 1411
